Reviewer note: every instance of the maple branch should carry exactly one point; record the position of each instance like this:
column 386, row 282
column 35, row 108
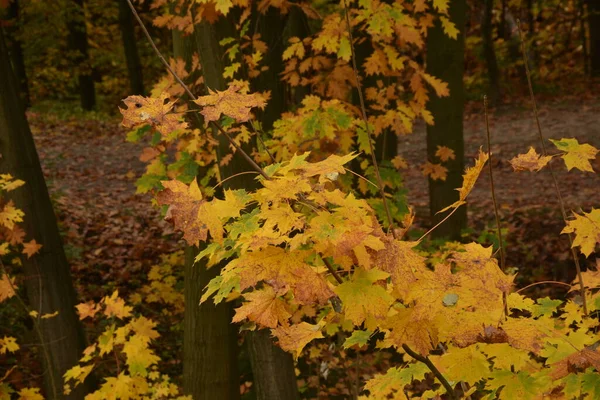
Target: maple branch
column 214, row 124
column 233, row 176
column 330, row 268
column 361, row 177
column 363, row 110
column 425, row 360
column 543, row 283
column 551, row 169
column 493, row 189
column 438, row 224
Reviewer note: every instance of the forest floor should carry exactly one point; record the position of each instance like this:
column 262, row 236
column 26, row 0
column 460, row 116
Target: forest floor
column 113, row 235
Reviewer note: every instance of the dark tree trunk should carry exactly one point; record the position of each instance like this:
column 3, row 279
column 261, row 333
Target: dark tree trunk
column 272, row 368
column 78, row 44
column 48, row 280
column 16, row 51
column 134, row 66
column 502, row 28
column 594, row 27
column 445, row 60
column 210, row 347
column 489, row 53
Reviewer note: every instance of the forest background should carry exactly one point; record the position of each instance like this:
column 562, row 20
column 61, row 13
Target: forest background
column 350, row 269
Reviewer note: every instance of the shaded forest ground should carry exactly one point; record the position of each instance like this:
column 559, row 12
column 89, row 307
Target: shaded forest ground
column 113, row 235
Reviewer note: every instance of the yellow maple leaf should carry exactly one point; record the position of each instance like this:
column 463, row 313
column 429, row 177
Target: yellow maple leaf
column 435, row 171
column 295, row 337
column 530, row 161
column 30, row 394
column 468, row 364
column 230, row 102
column 440, row 87
column 7, row 286
column 407, row 327
column 88, row 309
column 263, row 307
column 10, row 215
column 591, row 279
column 576, row 155
column 399, row 162
column 8, row 183
column 469, row 178
column 8, row 344
column 445, row 153
column 139, row 356
column 402, row 262
column 30, row 248
column 144, row 327
column 152, row 111
column 449, row 28
column 189, row 212
column 362, row 299
column 115, row 306
column 441, row 6
column 586, row 228
column 282, row 270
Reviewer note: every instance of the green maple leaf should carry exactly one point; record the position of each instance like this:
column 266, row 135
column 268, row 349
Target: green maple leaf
column 360, row 338
column 364, row 300
column 521, row 385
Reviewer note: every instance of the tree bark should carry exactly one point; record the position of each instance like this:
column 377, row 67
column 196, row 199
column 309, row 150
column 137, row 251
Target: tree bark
column 210, row 348
column 445, row 60
column 16, row 51
column 594, row 27
column 78, row 44
column 489, row 53
column 272, row 368
column 134, row 66
column 47, row 275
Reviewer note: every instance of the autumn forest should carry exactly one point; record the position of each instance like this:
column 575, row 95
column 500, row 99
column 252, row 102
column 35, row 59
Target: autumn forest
column 299, row 199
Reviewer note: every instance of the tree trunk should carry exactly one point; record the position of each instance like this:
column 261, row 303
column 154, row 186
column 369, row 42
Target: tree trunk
column 16, row 51
column 209, row 338
column 48, row 280
column 594, row 27
column 445, row 60
column 272, row 368
column 134, row 66
column 78, row 44
column 489, row 53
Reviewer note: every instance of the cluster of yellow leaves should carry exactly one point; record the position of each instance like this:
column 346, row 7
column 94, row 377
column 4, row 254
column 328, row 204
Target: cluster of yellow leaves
column 129, row 339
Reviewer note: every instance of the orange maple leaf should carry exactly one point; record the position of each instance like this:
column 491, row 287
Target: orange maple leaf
column 295, row 337
column 445, row 153
column 263, row 307
column 530, row 161
column 153, row 111
column 435, row 171
column 31, row 248
column 229, row 102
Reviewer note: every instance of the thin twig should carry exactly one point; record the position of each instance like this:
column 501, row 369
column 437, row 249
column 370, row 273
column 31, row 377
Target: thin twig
column 233, row 176
column 331, row 270
column 366, row 121
column 551, row 169
column 425, row 360
column 214, row 124
column 493, row 189
column 438, row 224
column 543, row 283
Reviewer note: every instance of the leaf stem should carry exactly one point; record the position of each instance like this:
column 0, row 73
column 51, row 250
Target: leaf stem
column 554, row 180
column 438, row 224
column 425, row 360
column 492, row 187
column 331, row 270
column 366, row 121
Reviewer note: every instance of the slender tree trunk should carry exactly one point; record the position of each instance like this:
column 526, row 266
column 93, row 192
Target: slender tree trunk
column 489, row 53
column 78, row 44
column 134, row 66
column 48, row 280
column 210, row 347
column 445, row 60
column 16, row 51
column 272, row 368
column 594, row 27
column 502, row 28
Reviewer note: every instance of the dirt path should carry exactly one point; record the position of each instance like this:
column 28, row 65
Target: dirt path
column 513, row 131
